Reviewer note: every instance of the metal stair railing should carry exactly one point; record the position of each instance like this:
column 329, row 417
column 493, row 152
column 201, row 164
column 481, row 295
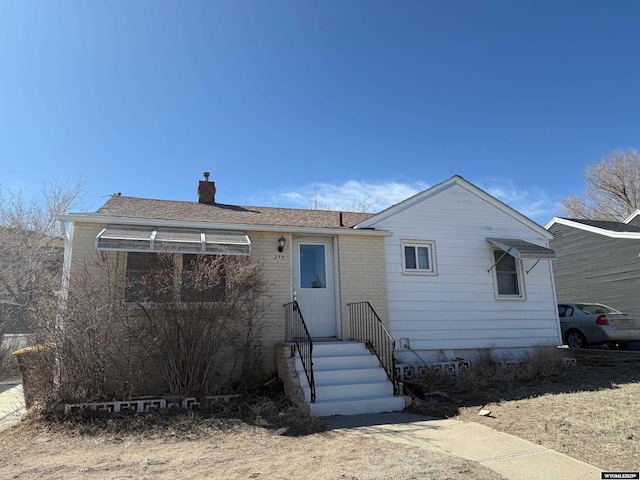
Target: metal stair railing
column 296, row 331
column 367, row 327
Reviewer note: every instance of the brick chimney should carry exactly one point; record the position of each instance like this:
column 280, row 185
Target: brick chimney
column 207, row 190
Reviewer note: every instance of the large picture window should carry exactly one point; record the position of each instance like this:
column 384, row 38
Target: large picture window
column 418, row 258
column 153, row 277
column 508, row 275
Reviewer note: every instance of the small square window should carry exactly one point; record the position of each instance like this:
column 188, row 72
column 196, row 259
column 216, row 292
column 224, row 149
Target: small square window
column 418, row 258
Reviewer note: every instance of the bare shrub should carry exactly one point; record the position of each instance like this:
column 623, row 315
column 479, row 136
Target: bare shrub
column 190, row 331
column 98, row 350
column 542, row 362
column 539, row 362
column 207, row 326
column 485, row 371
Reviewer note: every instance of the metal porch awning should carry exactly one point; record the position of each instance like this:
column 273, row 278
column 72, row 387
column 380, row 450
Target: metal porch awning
column 129, row 238
column 522, row 249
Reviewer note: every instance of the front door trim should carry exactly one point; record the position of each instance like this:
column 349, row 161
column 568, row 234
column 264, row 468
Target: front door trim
column 320, row 308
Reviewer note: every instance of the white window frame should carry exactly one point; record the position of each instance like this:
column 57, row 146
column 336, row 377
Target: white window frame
column 519, row 277
column 430, row 245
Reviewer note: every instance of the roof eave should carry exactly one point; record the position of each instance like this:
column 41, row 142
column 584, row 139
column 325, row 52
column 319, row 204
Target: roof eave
column 592, row 229
column 109, row 219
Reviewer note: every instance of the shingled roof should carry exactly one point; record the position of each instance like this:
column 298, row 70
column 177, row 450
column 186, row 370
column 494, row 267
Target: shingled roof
column 132, row 207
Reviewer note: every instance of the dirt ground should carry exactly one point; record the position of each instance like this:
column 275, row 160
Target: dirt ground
column 590, row 412
column 240, row 451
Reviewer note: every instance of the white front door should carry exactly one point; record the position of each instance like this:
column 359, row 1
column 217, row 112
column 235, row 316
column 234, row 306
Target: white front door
column 313, row 280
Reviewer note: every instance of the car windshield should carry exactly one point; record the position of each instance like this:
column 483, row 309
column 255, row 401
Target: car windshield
column 593, row 308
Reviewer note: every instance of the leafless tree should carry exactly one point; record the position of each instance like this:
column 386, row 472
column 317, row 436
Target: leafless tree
column 316, row 204
column 31, row 254
column 612, row 188
column 31, row 247
column 364, row 205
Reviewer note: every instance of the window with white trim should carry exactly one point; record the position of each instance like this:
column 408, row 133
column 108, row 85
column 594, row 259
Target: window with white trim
column 508, row 275
column 418, row 258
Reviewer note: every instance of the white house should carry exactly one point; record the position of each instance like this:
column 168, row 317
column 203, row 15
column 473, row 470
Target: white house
column 466, row 272
column 449, row 272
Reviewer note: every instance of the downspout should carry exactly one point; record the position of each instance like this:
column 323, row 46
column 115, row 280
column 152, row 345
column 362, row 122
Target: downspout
column 67, row 234
column 66, row 263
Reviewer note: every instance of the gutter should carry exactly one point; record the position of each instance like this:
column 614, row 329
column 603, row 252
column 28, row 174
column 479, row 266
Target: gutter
column 156, row 222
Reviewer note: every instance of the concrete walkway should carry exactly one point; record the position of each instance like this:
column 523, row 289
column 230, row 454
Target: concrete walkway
column 511, row 457
column 11, row 401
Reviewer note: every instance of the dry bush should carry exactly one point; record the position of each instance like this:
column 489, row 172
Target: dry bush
column 191, row 334
column 539, row 362
column 542, row 362
column 207, row 327
column 95, row 350
column 485, row 371
column 442, row 394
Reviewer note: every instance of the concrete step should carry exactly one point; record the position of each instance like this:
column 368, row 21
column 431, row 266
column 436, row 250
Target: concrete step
column 366, row 360
column 348, row 375
column 358, row 405
column 349, row 380
column 330, row 349
column 348, row 390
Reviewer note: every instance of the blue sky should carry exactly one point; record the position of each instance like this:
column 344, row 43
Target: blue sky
column 287, row 103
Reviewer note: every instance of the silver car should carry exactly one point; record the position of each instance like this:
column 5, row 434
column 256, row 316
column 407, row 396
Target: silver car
column 585, row 324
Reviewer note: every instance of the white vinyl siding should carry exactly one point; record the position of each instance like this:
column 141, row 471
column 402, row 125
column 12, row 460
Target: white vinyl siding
column 457, row 309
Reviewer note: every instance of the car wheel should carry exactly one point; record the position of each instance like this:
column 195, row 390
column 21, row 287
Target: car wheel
column 576, row 339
